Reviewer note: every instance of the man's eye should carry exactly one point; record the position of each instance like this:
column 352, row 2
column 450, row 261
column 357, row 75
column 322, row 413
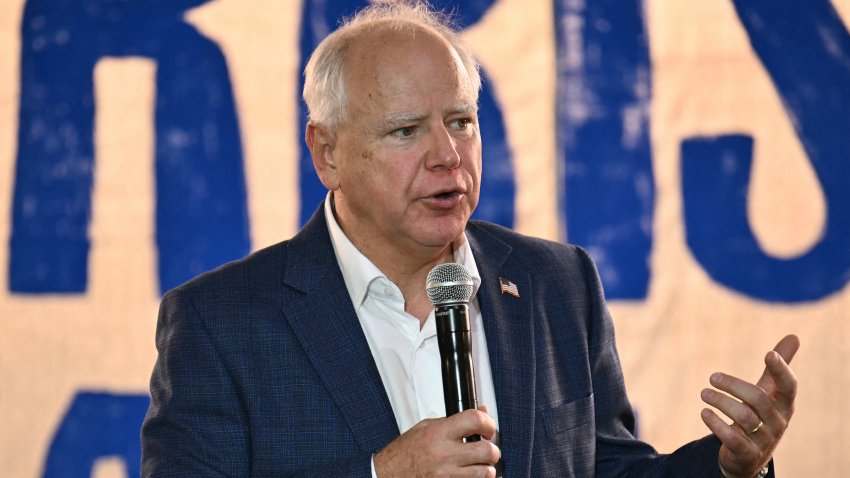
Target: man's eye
column 403, row 132
column 462, row 123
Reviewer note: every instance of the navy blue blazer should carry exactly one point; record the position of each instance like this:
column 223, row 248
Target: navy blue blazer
column 263, row 369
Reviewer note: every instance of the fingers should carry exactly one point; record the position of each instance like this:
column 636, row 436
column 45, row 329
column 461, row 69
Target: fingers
column 475, row 454
column 784, row 382
column 787, row 347
column 760, row 411
column 739, row 412
column 734, row 438
column 479, row 453
column 484, row 452
column 471, row 422
column 434, row 448
column 761, row 407
column 477, row 471
column 778, row 380
column 739, row 454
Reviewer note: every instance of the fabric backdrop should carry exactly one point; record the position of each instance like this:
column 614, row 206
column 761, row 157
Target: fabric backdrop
column 699, row 150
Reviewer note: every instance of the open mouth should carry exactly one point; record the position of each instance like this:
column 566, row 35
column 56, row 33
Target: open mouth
column 446, row 195
column 445, row 200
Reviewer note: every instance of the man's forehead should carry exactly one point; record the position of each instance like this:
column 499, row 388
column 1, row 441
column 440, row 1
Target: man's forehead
column 385, row 46
column 407, row 75
column 390, row 32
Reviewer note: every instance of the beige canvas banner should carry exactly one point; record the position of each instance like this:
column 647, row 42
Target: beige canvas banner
column 706, row 81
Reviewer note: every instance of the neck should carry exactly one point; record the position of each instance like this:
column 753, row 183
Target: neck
column 409, row 271
column 406, row 265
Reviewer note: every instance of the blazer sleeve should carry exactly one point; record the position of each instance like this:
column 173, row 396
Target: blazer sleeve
column 618, row 452
column 198, row 420
column 196, row 423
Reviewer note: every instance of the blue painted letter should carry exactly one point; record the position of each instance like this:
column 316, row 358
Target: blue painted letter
column 806, row 50
column 201, row 208
column 97, row 425
column 603, row 136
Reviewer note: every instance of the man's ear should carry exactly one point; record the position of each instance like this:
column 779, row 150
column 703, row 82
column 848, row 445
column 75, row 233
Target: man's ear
column 321, row 143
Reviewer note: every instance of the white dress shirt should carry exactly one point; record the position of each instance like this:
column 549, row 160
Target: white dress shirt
column 408, row 358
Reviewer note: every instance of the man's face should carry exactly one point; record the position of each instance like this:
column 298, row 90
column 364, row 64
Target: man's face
column 408, row 157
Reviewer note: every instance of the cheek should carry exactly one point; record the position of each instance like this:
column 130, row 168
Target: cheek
column 402, row 169
column 383, row 179
column 359, row 168
column 472, row 160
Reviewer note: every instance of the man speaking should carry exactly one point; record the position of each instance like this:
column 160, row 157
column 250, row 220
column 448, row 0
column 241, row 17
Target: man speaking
column 318, row 356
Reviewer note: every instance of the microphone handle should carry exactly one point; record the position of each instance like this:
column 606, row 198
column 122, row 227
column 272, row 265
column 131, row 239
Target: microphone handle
column 455, row 341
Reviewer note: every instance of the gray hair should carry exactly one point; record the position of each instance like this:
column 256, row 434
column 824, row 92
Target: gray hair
column 324, row 83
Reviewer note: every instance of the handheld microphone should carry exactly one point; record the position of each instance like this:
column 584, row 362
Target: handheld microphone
column 449, row 288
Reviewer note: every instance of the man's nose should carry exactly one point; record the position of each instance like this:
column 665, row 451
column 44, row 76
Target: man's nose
column 443, row 152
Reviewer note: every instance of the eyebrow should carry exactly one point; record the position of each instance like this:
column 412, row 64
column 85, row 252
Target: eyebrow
column 467, row 108
column 394, row 119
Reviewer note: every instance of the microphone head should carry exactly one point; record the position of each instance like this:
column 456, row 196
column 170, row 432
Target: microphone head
column 449, row 283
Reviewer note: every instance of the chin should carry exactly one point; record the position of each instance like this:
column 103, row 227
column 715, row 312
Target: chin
column 443, row 234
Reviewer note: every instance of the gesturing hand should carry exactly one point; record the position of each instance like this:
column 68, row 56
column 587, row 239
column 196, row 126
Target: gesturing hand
column 760, row 412
column 433, row 448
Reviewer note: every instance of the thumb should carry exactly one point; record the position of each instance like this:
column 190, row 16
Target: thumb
column 786, row 349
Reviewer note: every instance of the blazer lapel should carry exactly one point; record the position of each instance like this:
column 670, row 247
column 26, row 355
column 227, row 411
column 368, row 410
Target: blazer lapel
column 326, row 324
column 320, row 312
column 510, row 341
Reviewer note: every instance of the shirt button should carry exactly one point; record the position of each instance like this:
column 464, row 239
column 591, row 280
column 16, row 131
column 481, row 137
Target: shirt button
column 388, row 290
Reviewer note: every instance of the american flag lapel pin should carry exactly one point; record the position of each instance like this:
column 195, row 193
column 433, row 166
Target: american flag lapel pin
column 508, row 287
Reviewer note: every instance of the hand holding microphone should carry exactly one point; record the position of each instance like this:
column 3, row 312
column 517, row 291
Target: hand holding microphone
column 432, row 446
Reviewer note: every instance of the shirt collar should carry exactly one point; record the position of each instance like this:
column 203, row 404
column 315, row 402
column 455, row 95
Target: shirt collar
column 358, row 271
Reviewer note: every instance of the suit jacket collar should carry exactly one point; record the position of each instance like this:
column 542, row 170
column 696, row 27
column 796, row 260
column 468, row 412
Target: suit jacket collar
column 319, row 310
column 328, row 328
column 510, row 341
